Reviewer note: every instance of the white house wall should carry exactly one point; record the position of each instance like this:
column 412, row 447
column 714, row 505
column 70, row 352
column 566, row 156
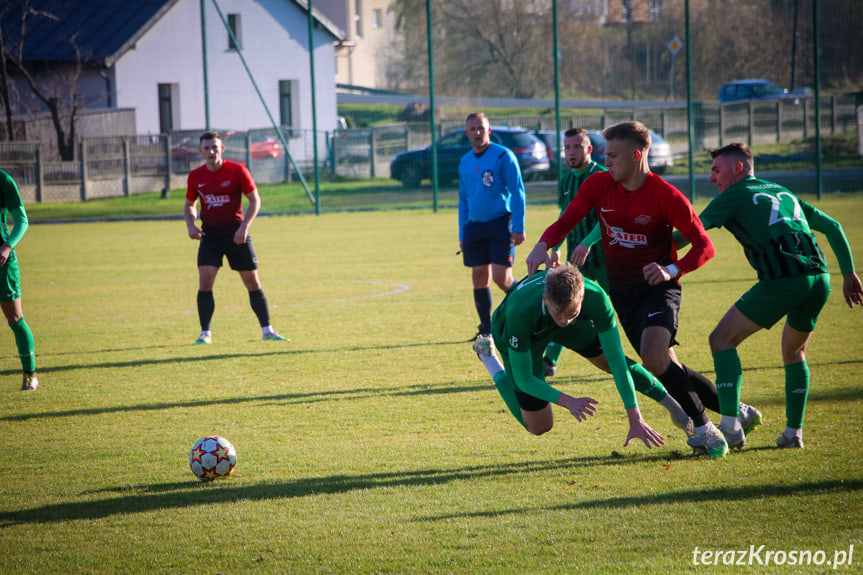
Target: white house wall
column 275, row 46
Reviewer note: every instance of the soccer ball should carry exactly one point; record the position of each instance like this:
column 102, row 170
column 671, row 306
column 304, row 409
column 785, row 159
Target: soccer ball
column 212, row 458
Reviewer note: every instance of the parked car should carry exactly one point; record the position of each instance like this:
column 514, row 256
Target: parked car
column 260, row 147
column 757, row 90
column 659, row 157
column 413, row 166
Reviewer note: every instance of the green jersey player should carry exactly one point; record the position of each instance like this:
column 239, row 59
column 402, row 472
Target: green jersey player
column 10, row 297
column 561, row 306
column 576, row 150
column 775, row 229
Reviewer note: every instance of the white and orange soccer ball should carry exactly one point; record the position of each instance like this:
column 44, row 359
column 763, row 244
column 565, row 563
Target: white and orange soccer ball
column 212, row 457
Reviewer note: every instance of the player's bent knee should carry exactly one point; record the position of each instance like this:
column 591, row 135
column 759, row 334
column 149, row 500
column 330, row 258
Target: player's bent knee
column 535, row 429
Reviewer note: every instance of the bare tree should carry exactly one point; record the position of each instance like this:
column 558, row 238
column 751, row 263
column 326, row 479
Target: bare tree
column 55, row 86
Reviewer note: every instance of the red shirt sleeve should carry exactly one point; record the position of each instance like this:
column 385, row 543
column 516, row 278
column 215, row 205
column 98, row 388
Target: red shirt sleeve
column 247, row 184
column 576, row 211
column 686, row 220
column 191, row 191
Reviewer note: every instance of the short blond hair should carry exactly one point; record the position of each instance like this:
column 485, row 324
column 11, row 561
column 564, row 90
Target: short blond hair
column 634, row 133
column 564, row 286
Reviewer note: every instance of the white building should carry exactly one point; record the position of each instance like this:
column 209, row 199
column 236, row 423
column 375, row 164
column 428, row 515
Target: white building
column 148, row 56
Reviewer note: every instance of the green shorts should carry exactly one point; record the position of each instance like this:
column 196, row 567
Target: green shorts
column 11, row 281
column 801, row 298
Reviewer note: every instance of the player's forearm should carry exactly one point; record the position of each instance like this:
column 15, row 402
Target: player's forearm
column 556, row 232
column 252, row 210
column 821, row 222
column 525, row 381
column 700, row 253
column 19, row 216
column 611, row 346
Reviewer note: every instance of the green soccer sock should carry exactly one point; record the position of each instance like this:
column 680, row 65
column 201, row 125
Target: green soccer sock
column 553, row 351
column 729, row 379
column 504, row 386
column 644, row 381
column 24, row 341
column 796, row 393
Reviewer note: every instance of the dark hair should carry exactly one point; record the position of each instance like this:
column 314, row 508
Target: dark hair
column 738, row 150
column 635, row 133
column 572, row 132
column 209, row 136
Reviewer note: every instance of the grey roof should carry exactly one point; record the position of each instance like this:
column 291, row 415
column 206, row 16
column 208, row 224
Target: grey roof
column 102, row 30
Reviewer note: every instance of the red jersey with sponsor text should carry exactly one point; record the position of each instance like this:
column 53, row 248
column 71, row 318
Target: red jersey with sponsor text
column 221, row 194
column 636, row 227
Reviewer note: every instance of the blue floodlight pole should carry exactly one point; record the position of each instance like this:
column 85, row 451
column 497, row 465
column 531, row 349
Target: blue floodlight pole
column 432, row 119
column 314, row 110
column 204, row 52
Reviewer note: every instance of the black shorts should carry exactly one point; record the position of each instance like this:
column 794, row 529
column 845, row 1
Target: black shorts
column 489, row 242
column 645, row 307
column 241, row 257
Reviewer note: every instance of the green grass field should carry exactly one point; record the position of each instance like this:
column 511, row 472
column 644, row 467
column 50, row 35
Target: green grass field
column 374, row 442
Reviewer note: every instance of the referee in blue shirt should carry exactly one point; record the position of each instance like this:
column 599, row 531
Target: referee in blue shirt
column 491, row 205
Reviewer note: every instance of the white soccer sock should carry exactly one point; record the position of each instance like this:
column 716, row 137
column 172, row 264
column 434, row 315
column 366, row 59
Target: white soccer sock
column 731, row 423
column 678, row 416
column 791, row 432
column 702, row 429
column 492, row 364
column 267, row 329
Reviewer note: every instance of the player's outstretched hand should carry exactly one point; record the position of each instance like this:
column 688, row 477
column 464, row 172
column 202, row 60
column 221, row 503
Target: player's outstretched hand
column 537, row 257
column 639, row 429
column 579, row 254
column 852, row 289
column 579, row 407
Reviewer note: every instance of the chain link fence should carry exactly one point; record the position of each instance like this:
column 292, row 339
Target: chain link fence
column 126, row 165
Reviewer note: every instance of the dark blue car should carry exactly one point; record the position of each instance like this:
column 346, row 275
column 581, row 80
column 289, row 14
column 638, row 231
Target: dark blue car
column 412, row 167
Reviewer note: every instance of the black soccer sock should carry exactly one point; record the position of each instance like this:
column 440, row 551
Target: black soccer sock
column 677, row 384
column 482, row 299
column 206, row 307
column 260, row 306
column 704, row 388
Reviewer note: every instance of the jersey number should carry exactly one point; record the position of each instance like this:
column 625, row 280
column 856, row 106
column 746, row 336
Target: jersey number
column 775, row 201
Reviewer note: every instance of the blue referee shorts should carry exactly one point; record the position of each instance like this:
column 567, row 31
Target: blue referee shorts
column 489, row 242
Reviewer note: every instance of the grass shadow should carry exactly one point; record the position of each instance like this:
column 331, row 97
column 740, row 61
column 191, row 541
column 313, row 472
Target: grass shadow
column 283, row 398
column 723, row 494
column 179, row 495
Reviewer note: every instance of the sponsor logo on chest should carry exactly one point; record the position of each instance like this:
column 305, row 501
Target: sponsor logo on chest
column 214, row 201
column 622, row 237
column 626, row 239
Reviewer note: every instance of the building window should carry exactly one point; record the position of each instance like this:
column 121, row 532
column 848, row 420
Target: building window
column 358, row 18
column 235, row 38
column 169, row 116
column 377, row 18
column 287, row 110
column 654, row 10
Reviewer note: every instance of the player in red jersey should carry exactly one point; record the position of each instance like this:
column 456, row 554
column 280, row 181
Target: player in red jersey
column 638, row 212
column 220, row 186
